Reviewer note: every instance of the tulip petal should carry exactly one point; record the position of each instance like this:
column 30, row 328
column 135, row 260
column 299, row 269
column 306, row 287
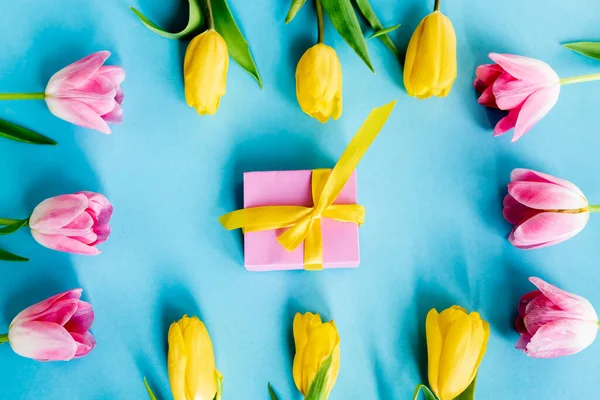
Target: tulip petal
column 485, row 75
column 535, row 108
column 64, row 243
column 85, row 343
column 546, row 196
column 98, row 93
column 507, row 123
column 78, row 113
column 56, row 212
column 515, row 212
column 78, row 73
column 510, row 92
column 487, row 98
column 200, row 377
column 434, row 348
column 115, row 74
column 523, row 341
column 565, row 300
column 562, row 337
column 522, row 174
column 42, row 341
column 115, row 116
column 33, row 311
column 177, row 360
column 82, row 319
column 541, row 311
column 525, row 68
column 548, row 227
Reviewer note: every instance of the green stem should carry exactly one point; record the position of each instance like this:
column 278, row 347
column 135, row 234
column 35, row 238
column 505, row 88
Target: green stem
column 8, row 221
column 580, row 78
column 320, row 22
column 22, row 96
column 436, row 6
column 209, row 12
column 4, row 338
column 594, row 208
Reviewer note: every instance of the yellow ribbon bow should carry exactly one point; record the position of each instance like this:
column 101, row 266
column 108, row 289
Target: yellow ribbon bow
column 304, row 223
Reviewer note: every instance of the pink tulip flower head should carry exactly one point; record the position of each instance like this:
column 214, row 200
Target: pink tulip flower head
column 525, row 87
column 73, row 223
column 543, row 210
column 87, row 93
column 554, row 323
column 57, row 329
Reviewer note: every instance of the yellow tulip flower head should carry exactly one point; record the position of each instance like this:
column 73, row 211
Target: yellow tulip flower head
column 319, row 83
column 315, row 342
column 456, row 343
column 192, row 371
column 205, row 72
column 430, row 66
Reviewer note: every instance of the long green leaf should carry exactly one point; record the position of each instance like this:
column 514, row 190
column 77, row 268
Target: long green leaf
column 272, row 393
column 367, row 11
column 13, row 227
column 294, row 8
column 384, row 31
column 8, row 256
column 344, row 20
column 426, row 392
column 236, row 44
column 194, row 22
column 317, row 391
column 469, row 393
column 588, row 49
column 150, row 393
column 21, row 134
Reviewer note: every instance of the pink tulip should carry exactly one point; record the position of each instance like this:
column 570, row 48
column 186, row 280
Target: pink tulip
column 543, row 209
column 554, row 323
column 525, row 87
column 73, row 223
column 57, row 329
column 87, row 94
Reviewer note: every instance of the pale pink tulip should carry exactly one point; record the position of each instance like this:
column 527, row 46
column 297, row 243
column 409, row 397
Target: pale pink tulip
column 56, row 329
column 525, row 87
column 554, row 323
column 73, row 223
column 543, row 209
column 87, row 94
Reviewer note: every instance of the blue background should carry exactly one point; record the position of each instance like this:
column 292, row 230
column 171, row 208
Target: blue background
column 432, row 183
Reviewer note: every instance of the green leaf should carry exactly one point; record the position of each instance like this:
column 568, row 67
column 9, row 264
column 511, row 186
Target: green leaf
column 150, row 394
column 426, row 392
column 194, row 22
column 469, row 393
column 294, row 8
column 8, row 256
column 272, row 393
column 367, row 11
column 384, row 31
column 21, row 134
column 344, row 20
column 13, row 227
column 236, row 44
column 588, row 49
column 317, row 391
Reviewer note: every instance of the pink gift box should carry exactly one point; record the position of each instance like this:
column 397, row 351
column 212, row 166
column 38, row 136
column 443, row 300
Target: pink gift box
column 262, row 251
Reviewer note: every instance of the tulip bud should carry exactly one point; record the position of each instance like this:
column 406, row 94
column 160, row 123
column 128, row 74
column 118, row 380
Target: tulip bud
column 315, row 343
column 430, row 67
column 319, row 83
column 192, row 371
column 205, row 72
column 456, row 343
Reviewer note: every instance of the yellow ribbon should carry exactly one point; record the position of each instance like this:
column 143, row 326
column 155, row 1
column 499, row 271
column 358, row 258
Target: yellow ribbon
column 304, row 223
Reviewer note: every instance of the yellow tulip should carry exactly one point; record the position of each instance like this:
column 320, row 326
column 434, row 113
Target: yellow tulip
column 192, row 371
column 456, row 343
column 315, row 342
column 205, row 72
column 319, row 83
column 430, row 66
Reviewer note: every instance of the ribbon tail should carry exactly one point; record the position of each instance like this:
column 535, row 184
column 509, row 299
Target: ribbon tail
column 313, row 247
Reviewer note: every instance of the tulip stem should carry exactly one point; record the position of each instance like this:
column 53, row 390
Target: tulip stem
column 594, row 208
column 22, row 96
column 8, row 221
column 436, row 6
column 579, row 79
column 209, row 12
column 320, row 22
column 4, row 338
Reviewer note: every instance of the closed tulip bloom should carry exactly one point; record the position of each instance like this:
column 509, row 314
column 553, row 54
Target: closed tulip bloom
column 544, row 210
column 430, row 66
column 56, row 329
column 456, row 343
column 192, row 371
column 205, row 72
column 315, row 342
column 554, row 323
column 319, row 83
column 87, row 93
column 73, row 223
column 525, row 87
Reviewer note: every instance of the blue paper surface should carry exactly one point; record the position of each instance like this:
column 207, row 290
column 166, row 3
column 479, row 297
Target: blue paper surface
column 432, row 183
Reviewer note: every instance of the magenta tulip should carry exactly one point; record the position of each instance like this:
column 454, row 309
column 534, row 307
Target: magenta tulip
column 525, row 87
column 543, row 209
column 554, row 323
column 87, row 94
column 73, row 223
column 56, row 329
